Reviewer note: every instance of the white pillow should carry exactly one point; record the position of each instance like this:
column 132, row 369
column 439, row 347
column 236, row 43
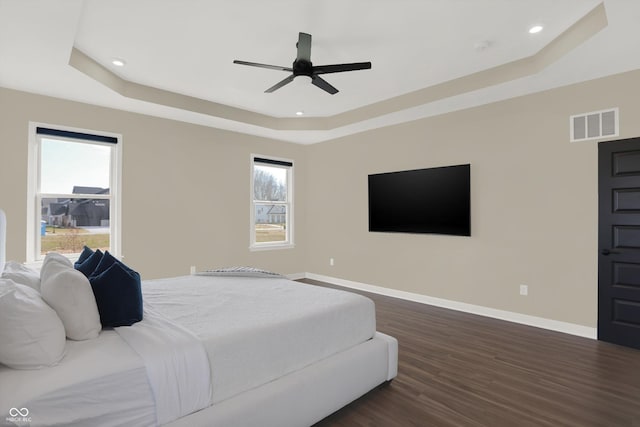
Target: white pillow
column 31, row 333
column 21, row 274
column 54, row 256
column 69, row 293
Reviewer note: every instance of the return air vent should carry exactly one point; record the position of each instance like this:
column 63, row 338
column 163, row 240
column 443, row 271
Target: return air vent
column 594, row 125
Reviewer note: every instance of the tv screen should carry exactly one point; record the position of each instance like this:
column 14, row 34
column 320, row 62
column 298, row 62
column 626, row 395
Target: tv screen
column 434, row 200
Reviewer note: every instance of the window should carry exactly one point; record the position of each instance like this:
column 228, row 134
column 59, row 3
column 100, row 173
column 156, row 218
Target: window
column 73, row 192
column 271, row 203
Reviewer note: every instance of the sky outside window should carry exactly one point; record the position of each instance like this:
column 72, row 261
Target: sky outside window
column 67, row 164
column 270, row 183
column 280, row 174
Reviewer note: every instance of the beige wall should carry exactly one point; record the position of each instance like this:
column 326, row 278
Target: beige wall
column 185, row 196
column 534, row 197
column 534, row 204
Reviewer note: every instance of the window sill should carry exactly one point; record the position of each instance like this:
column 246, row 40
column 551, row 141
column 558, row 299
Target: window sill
column 37, row 264
column 268, row 247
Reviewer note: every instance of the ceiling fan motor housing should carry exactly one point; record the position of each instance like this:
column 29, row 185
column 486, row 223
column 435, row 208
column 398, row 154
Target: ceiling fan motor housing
column 302, row 67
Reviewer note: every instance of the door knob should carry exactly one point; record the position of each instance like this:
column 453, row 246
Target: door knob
column 606, row 252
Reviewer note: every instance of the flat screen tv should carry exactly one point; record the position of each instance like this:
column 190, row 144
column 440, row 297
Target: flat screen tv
column 434, row 200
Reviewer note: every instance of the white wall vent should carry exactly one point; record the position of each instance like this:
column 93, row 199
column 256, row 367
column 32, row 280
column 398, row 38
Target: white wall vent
column 594, row 125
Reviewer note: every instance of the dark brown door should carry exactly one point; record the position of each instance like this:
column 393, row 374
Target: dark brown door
column 619, row 242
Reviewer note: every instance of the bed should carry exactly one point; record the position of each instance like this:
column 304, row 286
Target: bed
column 225, row 348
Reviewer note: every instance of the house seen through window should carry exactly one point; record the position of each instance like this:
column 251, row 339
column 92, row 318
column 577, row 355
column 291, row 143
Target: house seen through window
column 75, row 192
column 271, row 224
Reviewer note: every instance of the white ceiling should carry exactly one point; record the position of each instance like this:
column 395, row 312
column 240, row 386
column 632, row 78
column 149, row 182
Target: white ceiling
column 179, row 56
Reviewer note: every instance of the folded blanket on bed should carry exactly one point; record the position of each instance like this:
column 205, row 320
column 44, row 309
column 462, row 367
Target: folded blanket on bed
column 240, row 272
column 176, row 362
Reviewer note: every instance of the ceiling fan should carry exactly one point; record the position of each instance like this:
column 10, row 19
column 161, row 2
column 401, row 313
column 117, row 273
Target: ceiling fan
column 302, row 66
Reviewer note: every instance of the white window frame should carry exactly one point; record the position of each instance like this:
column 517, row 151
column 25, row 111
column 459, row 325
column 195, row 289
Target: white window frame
column 289, row 229
column 34, row 214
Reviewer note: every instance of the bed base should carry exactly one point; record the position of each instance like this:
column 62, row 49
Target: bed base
column 305, row 397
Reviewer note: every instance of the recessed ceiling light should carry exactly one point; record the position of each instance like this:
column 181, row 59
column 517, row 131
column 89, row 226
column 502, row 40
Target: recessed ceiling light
column 118, row 62
column 299, row 113
column 535, row 29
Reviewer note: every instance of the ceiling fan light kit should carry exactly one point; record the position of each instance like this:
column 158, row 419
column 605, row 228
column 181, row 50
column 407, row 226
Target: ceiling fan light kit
column 302, row 66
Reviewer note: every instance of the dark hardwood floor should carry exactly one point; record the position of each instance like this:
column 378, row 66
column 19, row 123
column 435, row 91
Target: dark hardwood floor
column 458, row 369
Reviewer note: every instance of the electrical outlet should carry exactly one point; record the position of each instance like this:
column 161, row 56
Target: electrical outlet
column 193, row 269
column 524, row 290
column 331, row 262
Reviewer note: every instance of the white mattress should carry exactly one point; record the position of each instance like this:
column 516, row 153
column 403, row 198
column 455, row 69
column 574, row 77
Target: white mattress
column 256, row 330
column 98, row 382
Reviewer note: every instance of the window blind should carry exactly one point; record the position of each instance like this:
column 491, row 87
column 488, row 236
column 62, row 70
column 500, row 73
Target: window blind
column 76, row 135
column 272, row 162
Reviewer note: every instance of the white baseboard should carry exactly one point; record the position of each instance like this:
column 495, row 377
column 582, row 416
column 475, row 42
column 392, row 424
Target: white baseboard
column 538, row 322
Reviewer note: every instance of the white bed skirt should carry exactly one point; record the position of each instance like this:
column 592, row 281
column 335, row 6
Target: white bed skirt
column 305, row 397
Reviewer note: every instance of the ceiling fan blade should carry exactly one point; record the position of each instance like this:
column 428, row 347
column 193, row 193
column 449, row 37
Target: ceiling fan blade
column 304, row 46
column 271, row 67
column 338, row 68
column 323, row 84
column 280, row 84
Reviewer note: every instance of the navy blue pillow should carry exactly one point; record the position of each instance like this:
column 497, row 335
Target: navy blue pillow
column 86, row 253
column 118, row 295
column 89, row 265
column 106, row 261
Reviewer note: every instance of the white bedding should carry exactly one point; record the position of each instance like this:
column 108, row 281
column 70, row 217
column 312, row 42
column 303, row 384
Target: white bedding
column 176, row 364
column 256, row 330
column 93, row 379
